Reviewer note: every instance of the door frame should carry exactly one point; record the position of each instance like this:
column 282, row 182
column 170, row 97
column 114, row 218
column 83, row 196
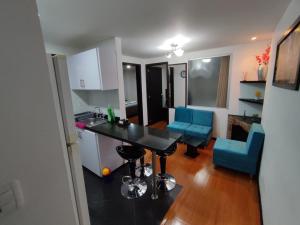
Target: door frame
column 139, row 91
column 186, row 78
column 147, row 91
column 71, row 155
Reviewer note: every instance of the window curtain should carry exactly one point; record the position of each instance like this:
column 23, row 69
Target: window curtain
column 221, row 100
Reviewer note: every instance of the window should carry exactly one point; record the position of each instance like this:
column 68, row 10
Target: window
column 208, row 81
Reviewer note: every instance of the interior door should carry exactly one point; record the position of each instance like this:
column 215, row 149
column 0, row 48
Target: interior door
column 154, row 94
column 63, row 105
column 171, row 87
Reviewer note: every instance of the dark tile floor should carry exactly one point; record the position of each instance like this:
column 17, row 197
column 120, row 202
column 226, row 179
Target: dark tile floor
column 108, row 207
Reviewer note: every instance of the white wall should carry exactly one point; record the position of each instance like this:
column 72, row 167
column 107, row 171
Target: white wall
column 242, row 60
column 179, row 85
column 32, row 150
column 279, row 175
column 130, row 83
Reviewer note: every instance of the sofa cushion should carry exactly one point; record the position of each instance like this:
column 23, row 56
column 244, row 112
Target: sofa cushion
column 202, row 117
column 183, row 114
column 178, row 126
column 198, row 131
column 230, row 146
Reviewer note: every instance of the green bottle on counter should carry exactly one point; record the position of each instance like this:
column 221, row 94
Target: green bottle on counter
column 111, row 115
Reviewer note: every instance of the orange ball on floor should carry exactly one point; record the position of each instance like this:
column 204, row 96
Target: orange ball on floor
column 105, row 171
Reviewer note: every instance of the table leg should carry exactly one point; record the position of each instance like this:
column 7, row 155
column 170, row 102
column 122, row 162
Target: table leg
column 154, row 189
column 191, row 151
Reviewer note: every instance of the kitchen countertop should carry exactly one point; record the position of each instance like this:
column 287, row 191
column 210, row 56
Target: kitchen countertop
column 146, row 137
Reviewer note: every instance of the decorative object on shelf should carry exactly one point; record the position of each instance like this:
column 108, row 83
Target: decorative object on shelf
column 245, row 76
column 286, row 72
column 263, row 62
column 257, row 94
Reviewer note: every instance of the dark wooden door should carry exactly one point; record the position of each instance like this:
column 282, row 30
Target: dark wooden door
column 154, row 94
column 171, row 84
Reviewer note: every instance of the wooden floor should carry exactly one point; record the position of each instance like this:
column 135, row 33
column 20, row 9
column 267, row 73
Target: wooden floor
column 210, row 196
column 134, row 119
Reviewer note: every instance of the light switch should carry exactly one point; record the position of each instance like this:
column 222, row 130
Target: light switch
column 11, row 198
column 6, row 197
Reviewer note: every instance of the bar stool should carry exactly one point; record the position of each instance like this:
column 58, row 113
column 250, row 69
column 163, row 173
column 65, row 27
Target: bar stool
column 165, row 181
column 144, row 170
column 132, row 187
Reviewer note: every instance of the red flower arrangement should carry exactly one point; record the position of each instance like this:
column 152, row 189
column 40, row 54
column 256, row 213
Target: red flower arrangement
column 265, row 57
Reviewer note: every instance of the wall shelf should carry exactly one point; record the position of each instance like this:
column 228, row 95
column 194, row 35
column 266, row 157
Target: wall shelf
column 252, row 100
column 253, row 82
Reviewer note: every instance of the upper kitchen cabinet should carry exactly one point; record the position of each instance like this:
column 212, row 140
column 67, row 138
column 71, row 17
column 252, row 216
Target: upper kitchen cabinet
column 95, row 69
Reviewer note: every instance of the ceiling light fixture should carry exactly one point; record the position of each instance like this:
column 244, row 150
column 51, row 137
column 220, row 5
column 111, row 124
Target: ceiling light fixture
column 178, row 51
column 206, row 60
column 253, row 38
column 179, row 40
column 128, row 67
column 169, row 55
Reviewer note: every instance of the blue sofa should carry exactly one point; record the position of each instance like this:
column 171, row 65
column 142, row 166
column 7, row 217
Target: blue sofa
column 241, row 156
column 193, row 122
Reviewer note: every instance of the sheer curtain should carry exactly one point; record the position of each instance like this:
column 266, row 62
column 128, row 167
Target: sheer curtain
column 221, row 100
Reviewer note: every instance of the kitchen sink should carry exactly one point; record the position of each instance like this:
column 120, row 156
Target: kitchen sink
column 90, row 119
column 90, row 122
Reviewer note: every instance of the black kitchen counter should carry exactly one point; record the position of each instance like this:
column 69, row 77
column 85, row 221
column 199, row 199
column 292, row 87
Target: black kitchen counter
column 146, row 137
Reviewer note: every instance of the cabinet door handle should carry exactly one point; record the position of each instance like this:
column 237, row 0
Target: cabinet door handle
column 82, row 85
column 79, row 134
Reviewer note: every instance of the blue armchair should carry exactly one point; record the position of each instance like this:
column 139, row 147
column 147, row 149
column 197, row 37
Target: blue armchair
column 241, row 156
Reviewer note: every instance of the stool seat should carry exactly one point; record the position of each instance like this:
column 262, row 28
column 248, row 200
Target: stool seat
column 129, row 152
column 132, row 187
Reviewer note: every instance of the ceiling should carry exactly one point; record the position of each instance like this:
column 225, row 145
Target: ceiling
column 144, row 25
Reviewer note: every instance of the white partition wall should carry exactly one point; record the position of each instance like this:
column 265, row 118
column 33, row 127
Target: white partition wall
column 279, row 174
column 32, row 151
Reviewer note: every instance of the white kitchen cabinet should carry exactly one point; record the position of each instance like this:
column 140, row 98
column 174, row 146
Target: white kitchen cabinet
column 89, row 154
column 95, row 69
column 98, row 151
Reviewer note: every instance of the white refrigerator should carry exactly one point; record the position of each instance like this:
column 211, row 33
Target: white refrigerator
column 61, row 89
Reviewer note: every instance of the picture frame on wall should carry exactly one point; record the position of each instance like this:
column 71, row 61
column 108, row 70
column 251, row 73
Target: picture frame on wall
column 286, row 72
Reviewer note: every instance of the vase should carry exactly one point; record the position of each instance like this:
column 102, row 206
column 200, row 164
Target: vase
column 260, row 72
column 265, row 72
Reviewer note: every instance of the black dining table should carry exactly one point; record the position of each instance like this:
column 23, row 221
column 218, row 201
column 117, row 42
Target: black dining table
column 153, row 139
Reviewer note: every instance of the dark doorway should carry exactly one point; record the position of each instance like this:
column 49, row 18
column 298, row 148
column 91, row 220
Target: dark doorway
column 133, row 92
column 171, row 72
column 157, row 79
